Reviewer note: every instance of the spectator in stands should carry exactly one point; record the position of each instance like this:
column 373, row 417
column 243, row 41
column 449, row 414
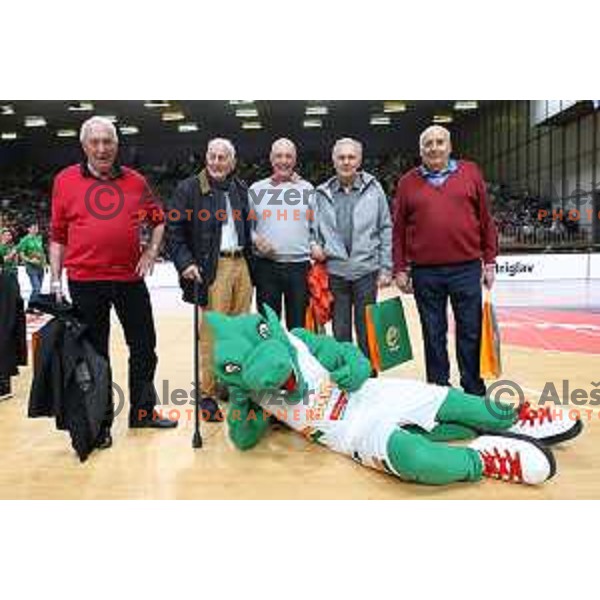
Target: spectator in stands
column 284, row 205
column 30, row 250
column 214, row 248
column 443, row 232
column 8, row 252
column 354, row 231
column 557, row 228
column 13, row 343
column 104, row 262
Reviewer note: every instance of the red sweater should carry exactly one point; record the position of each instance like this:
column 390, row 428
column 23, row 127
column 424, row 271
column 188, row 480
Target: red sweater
column 444, row 225
column 99, row 222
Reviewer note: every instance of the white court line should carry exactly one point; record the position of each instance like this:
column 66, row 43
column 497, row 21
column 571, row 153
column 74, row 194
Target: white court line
column 537, row 393
column 592, row 330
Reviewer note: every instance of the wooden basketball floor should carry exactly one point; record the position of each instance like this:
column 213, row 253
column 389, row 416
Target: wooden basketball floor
column 38, row 462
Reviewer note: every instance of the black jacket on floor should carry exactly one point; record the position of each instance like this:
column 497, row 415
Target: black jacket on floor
column 71, row 381
column 13, row 341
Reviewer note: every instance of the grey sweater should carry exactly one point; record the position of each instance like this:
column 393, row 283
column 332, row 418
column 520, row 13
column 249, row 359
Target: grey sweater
column 285, row 216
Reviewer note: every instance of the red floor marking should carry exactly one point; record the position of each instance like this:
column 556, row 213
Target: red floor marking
column 564, row 331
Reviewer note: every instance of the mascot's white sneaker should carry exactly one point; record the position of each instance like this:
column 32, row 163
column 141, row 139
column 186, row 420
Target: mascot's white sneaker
column 514, row 458
column 546, row 424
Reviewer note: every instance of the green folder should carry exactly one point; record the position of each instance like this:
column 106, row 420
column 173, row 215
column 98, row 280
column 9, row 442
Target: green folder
column 387, row 333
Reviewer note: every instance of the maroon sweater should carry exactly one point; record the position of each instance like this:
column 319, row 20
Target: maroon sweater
column 443, row 225
column 99, row 223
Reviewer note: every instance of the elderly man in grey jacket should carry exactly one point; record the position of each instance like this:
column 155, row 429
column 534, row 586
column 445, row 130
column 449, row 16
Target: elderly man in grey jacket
column 354, row 230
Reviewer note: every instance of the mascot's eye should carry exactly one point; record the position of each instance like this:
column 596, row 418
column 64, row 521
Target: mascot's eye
column 263, row 330
column 231, row 368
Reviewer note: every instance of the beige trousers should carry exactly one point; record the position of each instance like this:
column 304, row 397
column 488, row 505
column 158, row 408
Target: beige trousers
column 230, row 293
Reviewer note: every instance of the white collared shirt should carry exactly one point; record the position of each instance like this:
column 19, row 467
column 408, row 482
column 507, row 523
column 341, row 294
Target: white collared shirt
column 229, row 236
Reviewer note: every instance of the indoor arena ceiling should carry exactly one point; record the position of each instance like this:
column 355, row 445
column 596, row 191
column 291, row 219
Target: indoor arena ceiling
column 33, row 120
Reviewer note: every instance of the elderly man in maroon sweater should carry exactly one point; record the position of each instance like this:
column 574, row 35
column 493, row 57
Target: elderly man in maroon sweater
column 444, row 244
column 97, row 210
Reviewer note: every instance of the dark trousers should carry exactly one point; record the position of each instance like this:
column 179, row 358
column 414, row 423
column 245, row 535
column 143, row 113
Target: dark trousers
column 348, row 295
column 131, row 301
column 275, row 280
column 433, row 286
column 36, row 277
column 5, row 386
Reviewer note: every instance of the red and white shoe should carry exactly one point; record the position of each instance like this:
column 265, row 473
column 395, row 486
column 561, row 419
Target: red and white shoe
column 544, row 425
column 515, row 459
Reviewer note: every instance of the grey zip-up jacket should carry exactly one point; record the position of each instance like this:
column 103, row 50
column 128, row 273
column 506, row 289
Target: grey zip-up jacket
column 372, row 232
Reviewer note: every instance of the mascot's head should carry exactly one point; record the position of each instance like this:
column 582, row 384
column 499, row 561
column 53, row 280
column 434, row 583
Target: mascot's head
column 253, row 353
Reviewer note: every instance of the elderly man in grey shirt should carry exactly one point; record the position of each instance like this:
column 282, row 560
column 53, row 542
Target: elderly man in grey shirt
column 355, row 238
column 284, row 207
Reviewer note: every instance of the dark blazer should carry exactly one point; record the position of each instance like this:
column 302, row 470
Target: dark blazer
column 193, row 195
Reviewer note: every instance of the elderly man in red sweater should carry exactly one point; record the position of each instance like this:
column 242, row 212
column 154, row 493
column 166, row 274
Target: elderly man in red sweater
column 444, row 244
column 96, row 217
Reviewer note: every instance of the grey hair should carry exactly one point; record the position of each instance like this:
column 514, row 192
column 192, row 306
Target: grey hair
column 223, row 142
column 431, row 129
column 87, row 125
column 341, row 142
column 282, row 141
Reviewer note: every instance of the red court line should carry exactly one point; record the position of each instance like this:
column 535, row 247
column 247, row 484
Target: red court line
column 560, row 330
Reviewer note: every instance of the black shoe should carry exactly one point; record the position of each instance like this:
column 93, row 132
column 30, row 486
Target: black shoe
column 104, row 440
column 153, row 423
column 209, row 410
column 222, row 392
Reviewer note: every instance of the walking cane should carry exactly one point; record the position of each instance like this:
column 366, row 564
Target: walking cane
column 197, row 438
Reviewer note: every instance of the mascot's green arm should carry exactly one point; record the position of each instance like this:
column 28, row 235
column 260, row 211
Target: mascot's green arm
column 247, row 421
column 347, row 365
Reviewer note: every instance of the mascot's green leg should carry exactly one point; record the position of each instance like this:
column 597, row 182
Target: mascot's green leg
column 445, row 432
column 416, row 458
column 475, row 412
column 462, row 415
column 417, row 455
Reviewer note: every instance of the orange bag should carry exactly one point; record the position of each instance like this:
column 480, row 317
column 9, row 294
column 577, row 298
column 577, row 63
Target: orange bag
column 318, row 312
column 490, row 364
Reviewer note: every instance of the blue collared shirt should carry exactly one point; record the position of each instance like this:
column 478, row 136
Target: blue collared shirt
column 437, row 178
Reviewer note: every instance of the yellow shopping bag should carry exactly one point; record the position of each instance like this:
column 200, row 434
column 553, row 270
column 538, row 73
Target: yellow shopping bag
column 490, row 363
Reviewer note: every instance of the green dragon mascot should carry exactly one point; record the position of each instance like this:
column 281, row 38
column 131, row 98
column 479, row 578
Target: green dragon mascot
column 322, row 388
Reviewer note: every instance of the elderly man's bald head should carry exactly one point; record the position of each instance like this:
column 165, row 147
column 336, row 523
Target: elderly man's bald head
column 433, row 130
column 283, row 159
column 100, row 143
column 223, row 145
column 220, row 158
column 347, row 158
column 435, row 147
column 283, row 144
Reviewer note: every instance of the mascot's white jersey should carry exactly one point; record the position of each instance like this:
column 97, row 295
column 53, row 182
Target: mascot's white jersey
column 358, row 423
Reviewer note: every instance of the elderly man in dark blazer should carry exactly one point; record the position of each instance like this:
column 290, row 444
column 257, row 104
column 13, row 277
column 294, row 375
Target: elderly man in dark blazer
column 209, row 238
